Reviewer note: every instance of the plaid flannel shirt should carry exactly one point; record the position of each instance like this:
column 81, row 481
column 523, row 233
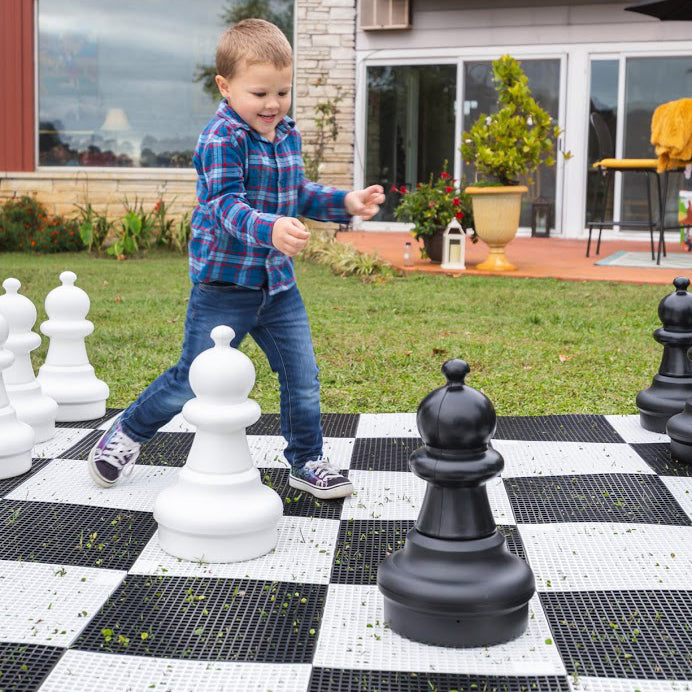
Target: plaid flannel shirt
column 244, row 184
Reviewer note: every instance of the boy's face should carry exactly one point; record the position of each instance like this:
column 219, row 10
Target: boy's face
column 260, row 94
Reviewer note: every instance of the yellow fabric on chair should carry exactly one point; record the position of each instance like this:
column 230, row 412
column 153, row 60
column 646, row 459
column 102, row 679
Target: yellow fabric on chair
column 671, row 134
column 627, row 163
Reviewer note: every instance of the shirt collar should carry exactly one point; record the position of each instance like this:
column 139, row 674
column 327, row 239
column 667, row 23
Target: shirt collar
column 282, row 129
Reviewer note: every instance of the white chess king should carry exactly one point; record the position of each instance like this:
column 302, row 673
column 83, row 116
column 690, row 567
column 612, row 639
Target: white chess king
column 28, row 400
column 219, row 510
column 67, row 376
column 16, row 438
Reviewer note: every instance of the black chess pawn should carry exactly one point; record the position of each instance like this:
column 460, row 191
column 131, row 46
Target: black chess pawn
column 679, row 429
column 672, row 386
column 455, row 583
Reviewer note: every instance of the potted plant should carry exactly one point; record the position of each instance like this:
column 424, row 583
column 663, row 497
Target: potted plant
column 430, row 207
column 505, row 145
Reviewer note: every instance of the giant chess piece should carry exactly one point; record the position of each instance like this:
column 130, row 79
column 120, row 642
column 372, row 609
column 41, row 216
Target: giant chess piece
column 219, row 510
column 679, row 429
column 16, row 438
column 67, row 375
column 454, row 583
column 672, row 386
column 29, row 402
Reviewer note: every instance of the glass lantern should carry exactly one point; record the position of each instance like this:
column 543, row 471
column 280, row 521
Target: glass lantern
column 541, row 217
column 454, row 246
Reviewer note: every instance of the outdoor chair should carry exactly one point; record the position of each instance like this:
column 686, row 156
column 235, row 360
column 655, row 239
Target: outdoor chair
column 608, row 166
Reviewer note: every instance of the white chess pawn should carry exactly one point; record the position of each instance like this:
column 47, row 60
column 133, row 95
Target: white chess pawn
column 219, row 510
column 67, row 376
column 29, row 402
column 16, row 438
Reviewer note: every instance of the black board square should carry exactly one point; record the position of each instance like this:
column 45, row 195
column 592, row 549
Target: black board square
column 81, row 449
column 383, row 453
column 622, row 634
column 612, row 497
column 164, row 449
column 94, row 423
column 298, row 503
column 67, row 534
column 323, row 679
column 333, row 425
column 26, row 666
column 208, row 619
column 362, row 544
column 565, row 428
column 657, row 456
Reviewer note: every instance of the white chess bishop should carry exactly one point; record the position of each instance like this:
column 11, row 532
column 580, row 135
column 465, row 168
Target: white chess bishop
column 16, row 438
column 219, row 510
column 31, row 405
column 67, row 376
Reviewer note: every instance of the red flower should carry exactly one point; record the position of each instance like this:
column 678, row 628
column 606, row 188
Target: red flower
column 403, row 190
column 444, row 175
column 158, row 205
column 459, row 215
column 456, row 201
column 431, row 204
column 449, row 189
column 394, row 188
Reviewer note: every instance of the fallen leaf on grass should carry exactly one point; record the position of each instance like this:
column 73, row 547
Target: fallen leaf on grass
column 118, row 299
column 563, row 357
column 439, row 351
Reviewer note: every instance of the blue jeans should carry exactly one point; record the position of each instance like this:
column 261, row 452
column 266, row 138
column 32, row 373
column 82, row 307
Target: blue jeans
column 279, row 325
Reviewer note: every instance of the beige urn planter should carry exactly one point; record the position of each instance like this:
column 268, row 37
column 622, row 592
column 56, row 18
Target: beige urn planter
column 496, row 219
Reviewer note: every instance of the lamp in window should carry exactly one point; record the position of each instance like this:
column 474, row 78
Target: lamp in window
column 453, row 246
column 541, row 217
column 118, row 126
column 116, row 121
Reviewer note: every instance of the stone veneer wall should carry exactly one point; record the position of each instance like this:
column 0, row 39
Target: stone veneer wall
column 325, row 51
column 61, row 189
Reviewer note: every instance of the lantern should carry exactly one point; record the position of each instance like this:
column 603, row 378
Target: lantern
column 541, row 217
column 453, row 246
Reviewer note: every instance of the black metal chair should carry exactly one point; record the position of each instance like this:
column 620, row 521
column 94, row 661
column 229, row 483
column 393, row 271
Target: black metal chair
column 608, row 166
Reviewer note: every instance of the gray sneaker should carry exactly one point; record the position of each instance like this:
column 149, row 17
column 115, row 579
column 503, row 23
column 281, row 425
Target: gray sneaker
column 113, row 457
column 321, row 479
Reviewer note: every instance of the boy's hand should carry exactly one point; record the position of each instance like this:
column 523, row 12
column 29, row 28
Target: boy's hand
column 365, row 203
column 289, row 235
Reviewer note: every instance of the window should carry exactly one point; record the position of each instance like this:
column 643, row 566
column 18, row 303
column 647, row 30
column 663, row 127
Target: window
column 130, row 82
column 410, row 127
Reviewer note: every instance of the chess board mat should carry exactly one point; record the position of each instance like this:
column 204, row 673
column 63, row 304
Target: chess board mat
column 89, row 601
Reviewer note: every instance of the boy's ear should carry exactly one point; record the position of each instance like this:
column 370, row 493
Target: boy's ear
column 222, row 84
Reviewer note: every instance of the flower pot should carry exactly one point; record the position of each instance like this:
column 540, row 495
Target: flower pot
column 496, row 219
column 433, row 245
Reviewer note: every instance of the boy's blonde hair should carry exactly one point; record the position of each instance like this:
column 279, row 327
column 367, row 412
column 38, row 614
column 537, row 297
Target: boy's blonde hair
column 253, row 41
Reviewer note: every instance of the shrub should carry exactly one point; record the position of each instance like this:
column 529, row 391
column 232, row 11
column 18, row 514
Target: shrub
column 25, row 225
column 345, row 260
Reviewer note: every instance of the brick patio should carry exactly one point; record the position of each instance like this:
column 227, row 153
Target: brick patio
column 535, row 257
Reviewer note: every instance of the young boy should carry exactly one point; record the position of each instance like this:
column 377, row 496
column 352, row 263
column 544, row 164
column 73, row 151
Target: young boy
column 250, row 188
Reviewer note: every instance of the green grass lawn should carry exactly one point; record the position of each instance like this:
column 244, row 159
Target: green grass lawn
column 535, row 346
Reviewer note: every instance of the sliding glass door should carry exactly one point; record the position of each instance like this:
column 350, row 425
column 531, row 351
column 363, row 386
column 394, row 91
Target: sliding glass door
column 410, row 126
column 413, row 128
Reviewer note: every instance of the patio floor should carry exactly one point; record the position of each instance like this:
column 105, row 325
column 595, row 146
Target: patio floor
column 535, row 257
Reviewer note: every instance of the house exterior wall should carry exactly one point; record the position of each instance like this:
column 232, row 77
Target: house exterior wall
column 17, row 84
column 449, row 31
column 325, row 67
column 442, row 24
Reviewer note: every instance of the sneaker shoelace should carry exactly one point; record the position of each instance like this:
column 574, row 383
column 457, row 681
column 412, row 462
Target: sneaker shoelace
column 322, row 469
column 118, row 452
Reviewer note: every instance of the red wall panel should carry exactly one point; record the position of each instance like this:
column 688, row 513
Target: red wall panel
column 17, row 85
